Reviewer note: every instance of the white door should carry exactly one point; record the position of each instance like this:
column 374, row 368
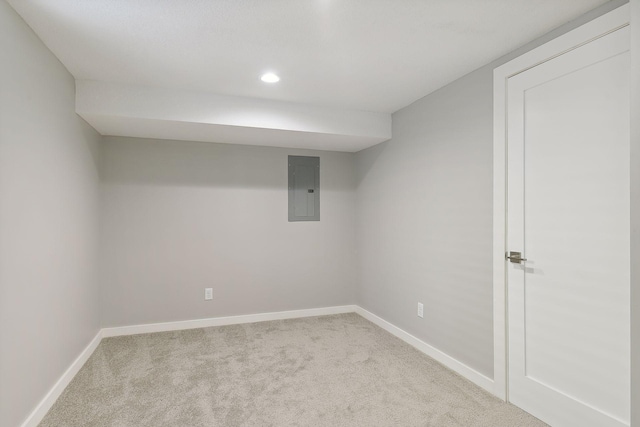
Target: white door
column 568, row 215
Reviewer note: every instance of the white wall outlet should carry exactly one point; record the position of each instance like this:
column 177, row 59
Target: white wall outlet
column 420, row 310
column 208, row 293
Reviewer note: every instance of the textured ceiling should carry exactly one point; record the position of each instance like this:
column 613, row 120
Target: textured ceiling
column 373, row 55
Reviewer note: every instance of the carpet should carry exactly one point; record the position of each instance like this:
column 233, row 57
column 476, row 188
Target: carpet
column 339, row 370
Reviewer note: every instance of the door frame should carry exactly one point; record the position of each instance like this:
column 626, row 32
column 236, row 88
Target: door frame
column 601, row 26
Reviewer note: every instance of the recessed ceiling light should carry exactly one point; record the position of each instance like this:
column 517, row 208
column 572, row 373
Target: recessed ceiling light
column 270, row 78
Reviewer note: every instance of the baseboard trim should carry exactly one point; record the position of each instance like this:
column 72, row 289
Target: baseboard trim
column 221, row 321
column 448, row 361
column 54, row 393
column 47, row 402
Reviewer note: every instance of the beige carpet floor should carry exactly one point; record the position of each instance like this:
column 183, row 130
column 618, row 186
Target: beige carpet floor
column 337, row 370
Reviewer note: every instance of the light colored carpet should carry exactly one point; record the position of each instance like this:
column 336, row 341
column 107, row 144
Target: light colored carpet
column 337, row 370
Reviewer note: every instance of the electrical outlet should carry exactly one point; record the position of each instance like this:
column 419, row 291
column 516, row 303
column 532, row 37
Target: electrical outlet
column 420, row 310
column 208, row 293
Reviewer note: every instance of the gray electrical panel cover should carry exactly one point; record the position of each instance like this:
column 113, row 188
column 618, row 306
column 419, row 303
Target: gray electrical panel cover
column 304, row 188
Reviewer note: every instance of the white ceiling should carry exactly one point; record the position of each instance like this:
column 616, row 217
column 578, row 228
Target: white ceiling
column 368, row 55
column 148, row 112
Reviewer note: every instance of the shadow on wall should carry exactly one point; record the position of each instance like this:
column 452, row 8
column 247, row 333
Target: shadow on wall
column 367, row 159
column 136, row 161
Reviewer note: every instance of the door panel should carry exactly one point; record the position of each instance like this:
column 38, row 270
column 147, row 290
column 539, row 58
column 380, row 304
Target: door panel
column 568, row 212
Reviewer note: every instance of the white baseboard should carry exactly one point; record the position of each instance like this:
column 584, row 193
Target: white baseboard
column 47, row 402
column 50, row 398
column 429, row 350
column 448, row 361
column 221, row 321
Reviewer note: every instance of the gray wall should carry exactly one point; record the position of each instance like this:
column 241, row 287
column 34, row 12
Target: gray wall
column 182, row 216
column 424, row 207
column 48, row 221
column 635, row 213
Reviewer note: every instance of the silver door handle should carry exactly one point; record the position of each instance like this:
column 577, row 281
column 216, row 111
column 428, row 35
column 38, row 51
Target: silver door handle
column 515, row 257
